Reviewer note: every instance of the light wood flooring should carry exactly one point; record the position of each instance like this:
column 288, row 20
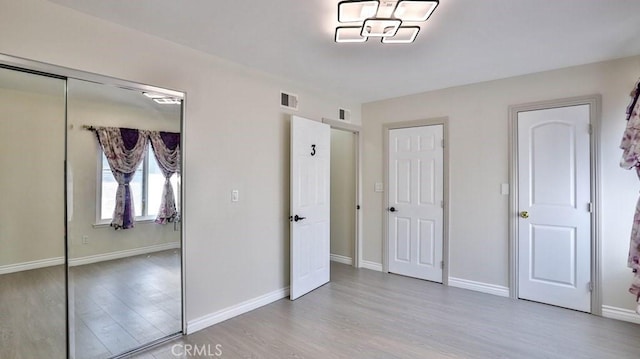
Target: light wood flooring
column 366, row 314
column 119, row 305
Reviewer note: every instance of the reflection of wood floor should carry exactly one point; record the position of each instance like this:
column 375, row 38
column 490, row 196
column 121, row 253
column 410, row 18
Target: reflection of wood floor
column 32, row 314
column 119, row 305
column 124, row 303
column 366, row 314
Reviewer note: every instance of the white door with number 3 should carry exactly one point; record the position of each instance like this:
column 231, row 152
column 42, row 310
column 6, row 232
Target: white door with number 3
column 310, row 210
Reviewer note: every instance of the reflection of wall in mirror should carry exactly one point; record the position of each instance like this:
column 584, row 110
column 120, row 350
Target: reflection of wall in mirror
column 32, row 157
column 39, row 236
column 83, row 162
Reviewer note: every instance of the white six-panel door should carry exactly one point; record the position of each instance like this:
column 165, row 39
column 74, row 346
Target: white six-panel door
column 554, row 195
column 310, row 210
column 415, row 227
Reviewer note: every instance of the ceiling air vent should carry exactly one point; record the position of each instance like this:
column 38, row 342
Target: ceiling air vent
column 289, row 101
column 344, row 115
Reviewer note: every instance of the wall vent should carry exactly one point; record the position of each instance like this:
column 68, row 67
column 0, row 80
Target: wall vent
column 288, row 100
column 344, row 114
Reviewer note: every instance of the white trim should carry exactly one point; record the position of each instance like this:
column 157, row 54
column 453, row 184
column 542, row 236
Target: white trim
column 620, row 314
column 341, row 259
column 235, row 310
column 498, row 290
column 40, row 263
column 122, row 254
column 371, row 265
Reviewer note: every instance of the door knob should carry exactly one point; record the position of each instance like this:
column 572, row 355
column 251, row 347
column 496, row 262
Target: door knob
column 524, row 214
column 297, row 218
column 392, row 209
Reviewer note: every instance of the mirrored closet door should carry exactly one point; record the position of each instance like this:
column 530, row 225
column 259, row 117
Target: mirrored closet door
column 123, row 245
column 90, row 221
column 32, row 221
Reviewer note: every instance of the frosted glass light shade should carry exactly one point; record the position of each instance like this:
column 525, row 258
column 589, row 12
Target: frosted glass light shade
column 380, row 27
column 349, row 34
column 356, row 11
column 414, row 10
column 404, row 35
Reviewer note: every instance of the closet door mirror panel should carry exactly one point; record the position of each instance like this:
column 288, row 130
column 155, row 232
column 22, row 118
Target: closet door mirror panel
column 32, row 222
column 123, row 211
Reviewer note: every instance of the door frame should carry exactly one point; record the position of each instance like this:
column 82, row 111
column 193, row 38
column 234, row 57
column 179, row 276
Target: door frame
column 594, row 101
column 386, row 128
column 355, row 129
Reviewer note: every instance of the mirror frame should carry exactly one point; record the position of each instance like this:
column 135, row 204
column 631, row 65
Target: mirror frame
column 45, row 69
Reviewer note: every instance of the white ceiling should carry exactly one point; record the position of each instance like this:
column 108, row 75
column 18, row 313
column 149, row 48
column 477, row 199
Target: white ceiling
column 465, row 41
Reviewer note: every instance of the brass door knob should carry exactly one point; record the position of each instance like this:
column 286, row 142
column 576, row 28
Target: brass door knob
column 524, row 214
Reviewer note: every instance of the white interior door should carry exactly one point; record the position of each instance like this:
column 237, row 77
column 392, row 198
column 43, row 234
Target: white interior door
column 310, row 210
column 415, row 202
column 554, row 195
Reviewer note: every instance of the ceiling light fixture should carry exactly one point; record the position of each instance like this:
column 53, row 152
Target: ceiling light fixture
column 393, row 21
column 167, row 101
column 161, row 99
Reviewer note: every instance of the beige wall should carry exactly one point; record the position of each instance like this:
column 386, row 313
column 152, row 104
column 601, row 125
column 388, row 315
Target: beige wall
column 32, row 180
column 343, row 192
column 237, row 137
column 479, row 163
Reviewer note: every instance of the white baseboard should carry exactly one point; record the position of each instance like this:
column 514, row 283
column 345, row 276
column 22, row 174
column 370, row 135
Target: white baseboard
column 620, row 314
column 371, row 265
column 41, row 263
column 122, row 254
column 479, row 286
column 235, row 310
column 341, row 259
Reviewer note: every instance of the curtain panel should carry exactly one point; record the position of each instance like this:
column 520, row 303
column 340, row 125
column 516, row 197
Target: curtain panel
column 125, row 150
column 166, row 149
column 631, row 160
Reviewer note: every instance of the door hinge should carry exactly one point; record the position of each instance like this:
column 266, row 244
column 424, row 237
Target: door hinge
column 590, row 129
column 441, row 204
column 442, row 143
column 441, row 264
column 590, row 207
column 590, row 284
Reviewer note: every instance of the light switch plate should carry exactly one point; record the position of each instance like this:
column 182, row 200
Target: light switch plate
column 504, row 189
column 235, row 195
column 378, row 187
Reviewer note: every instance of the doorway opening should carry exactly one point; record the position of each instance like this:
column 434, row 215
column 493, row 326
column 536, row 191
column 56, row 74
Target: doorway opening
column 345, row 195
